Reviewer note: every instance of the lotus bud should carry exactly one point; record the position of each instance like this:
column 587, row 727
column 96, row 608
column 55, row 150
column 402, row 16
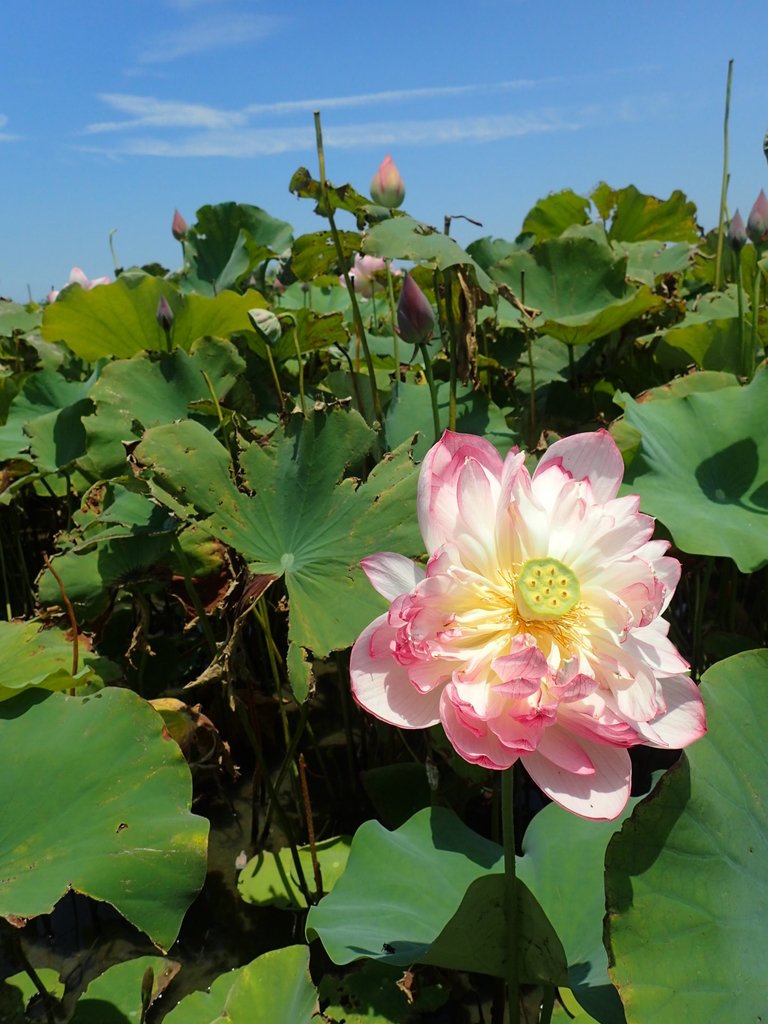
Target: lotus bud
column 387, row 187
column 179, row 227
column 415, row 319
column 737, row 233
column 164, row 314
column 757, row 222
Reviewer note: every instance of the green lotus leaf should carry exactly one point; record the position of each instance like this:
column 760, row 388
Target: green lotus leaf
column 15, row 317
column 120, row 319
column 456, row 921
column 404, row 238
column 571, row 891
column 273, row 989
column 129, row 840
column 269, row 879
column 687, row 876
column 702, row 468
column 114, row 997
column 634, row 216
column 576, row 284
column 551, row 216
column 227, row 242
column 134, row 394
column 314, row 256
column 32, row 656
column 649, row 260
column 303, row 520
column 49, row 407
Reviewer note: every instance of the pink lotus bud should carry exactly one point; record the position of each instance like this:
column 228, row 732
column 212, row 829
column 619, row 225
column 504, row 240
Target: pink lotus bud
column 737, row 233
column 164, row 314
column 387, row 187
column 179, row 227
column 757, row 222
column 415, row 319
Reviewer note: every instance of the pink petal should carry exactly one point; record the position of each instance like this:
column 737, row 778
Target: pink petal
column 471, row 737
column 392, row 574
column 601, row 797
column 684, row 721
column 382, row 687
column 557, row 746
column 437, row 501
column 591, row 456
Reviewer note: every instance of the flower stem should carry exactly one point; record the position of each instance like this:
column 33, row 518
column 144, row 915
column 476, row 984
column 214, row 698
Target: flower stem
column 432, row 389
column 742, row 332
column 510, row 892
column 750, row 369
column 356, row 316
column 724, row 187
column 393, row 318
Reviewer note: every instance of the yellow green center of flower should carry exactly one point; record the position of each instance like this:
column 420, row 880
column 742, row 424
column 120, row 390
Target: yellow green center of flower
column 546, row 589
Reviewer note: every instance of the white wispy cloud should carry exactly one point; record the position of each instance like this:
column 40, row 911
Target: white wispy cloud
column 204, row 35
column 255, row 142
column 147, row 111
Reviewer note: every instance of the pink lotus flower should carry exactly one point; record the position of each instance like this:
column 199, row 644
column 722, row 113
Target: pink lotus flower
column 179, row 226
column 364, row 273
column 387, row 187
column 535, row 631
column 76, row 276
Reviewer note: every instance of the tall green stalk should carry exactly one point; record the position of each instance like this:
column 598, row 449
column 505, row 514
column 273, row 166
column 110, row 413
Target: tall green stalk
column 432, row 391
column 393, row 318
column 721, row 227
column 510, row 893
column 356, row 315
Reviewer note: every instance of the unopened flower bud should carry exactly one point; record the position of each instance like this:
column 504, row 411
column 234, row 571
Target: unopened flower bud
column 757, row 222
column 387, row 187
column 737, row 233
column 415, row 319
column 164, row 314
column 179, row 227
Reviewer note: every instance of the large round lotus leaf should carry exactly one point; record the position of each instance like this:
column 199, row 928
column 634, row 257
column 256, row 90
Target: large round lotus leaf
column 563, row 864
column 687, row 876
column 576, row 285
column 96, row 799
column 132, row 395
column 273, row 989
column 304, row 519
column 120, row 319
column 702, row 468
column 31, row 656
column 43, row 397
column 114, row 997
column 227, row 242
column 382, row 909
column 635, row 216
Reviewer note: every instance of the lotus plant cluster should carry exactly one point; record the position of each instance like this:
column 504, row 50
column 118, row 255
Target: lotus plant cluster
column 534, row 632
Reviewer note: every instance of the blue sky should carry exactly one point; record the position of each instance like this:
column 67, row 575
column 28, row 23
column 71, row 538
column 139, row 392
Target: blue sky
column 112, row 115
